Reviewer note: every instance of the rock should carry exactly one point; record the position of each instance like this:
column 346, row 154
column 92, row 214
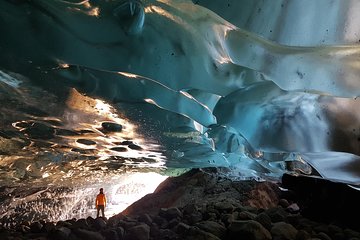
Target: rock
column 227, row 218
column 224, row 207
column 284, row 203
column 213, row 228
column 82, row 223
column 59, row 233
column 264, row 220
column 190, row 209
column 63, row 224
column 145, row 218
column 349, row 233
column 182, row 228
column 194, row 218
column 167, row 234
column 99, row 223
column 212, row 216
column 293, row 208
column 48, row 226
column 84, row 234
column 276, row 214
column 196, row 233
column 283, row 231
column 170, row 213
column 90, row 221
column 139, row 232
column 110, row 234
column 322, row 236
column 173, row 223
column 111, row 127
column 23, row 228
column 302, row 235
column 86, row 141
column 161, row 222
column 36, row 227
column 249, row 230
column 120, row 231
column 245, row 215
column 324, row 200
column 135, row 147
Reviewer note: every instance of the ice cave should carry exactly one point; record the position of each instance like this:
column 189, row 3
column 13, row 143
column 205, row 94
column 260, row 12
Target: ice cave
column 125, row 93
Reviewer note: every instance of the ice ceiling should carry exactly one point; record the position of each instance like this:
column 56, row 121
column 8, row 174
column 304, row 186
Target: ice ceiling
column 90, row 89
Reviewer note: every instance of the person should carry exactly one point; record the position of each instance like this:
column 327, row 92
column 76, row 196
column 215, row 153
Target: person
column 100, row 203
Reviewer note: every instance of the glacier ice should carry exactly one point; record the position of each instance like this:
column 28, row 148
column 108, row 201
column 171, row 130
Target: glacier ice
column 253, row 85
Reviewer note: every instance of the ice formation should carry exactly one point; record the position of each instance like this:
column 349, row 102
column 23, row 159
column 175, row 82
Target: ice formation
column 104, row 87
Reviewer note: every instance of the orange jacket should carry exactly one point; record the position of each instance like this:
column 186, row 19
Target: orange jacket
column 100, row 199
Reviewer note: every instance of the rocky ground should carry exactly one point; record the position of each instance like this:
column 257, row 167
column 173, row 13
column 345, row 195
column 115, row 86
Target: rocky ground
column 203, row 205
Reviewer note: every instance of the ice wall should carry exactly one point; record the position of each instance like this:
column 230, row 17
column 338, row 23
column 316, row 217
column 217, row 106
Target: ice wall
column 295, row 23
column 252, row 84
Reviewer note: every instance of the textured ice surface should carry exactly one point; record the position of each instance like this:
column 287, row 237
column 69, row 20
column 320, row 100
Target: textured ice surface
column 92, row 89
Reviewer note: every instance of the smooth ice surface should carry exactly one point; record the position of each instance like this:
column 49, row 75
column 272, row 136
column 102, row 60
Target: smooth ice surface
column 90, row 90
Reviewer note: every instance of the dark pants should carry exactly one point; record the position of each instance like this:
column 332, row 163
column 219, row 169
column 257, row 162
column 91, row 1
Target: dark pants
column 100, row 207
